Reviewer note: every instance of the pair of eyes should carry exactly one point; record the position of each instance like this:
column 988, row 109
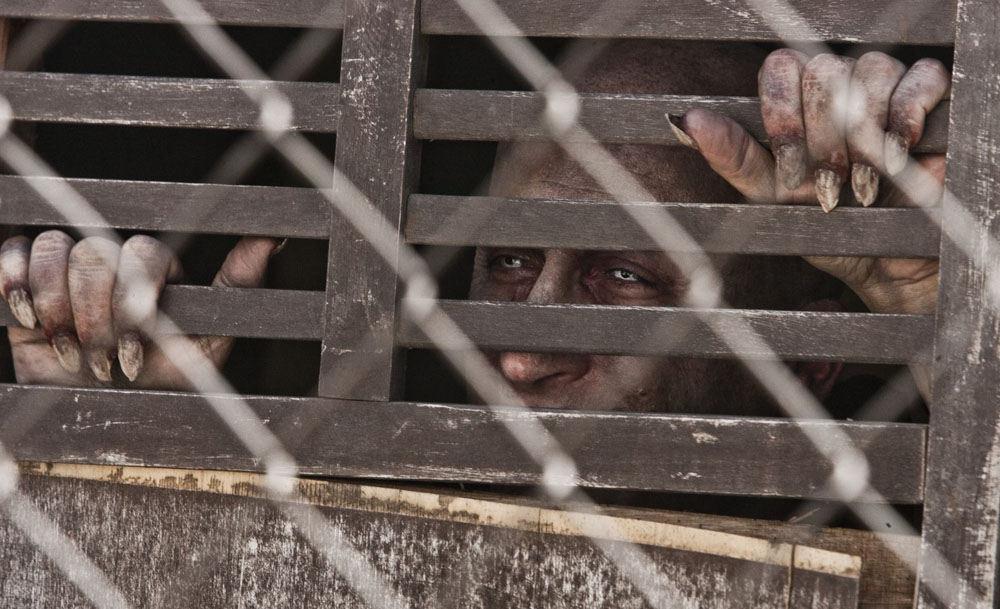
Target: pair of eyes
column 509, row 262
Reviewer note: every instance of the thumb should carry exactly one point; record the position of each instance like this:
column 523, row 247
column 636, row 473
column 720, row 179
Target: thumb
column 246, row 264
column 730, row 151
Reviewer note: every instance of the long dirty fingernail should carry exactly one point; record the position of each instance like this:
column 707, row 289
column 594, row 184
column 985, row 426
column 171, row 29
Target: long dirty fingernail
column 791, row 163
column 100, row 364
column 864, row 182
column 679, row 133
column 22, row 307
column 278, row 248
column 827, row 189
column 897, row 151
column 67, row 352
column 130, row 355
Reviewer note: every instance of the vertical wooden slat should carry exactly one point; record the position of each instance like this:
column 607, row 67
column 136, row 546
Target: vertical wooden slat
column 963, row 462
column 382, row 62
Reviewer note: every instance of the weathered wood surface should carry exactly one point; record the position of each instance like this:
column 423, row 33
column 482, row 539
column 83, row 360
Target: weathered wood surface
column 289, row 314
column 163, row 102
column 726, row 228
column 170, row 206
column 963, row 475
column 222, row 548
column 383, row 59
column 657, row 331
column 291, row 13
column 399, row 440
column 907, row 22
column 445, row 114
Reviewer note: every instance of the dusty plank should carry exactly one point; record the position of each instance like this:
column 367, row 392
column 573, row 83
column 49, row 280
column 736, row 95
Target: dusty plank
column 444, row 114
column 294, row 13
column 383, row 58
column 288, row 314
column 800, row 335
column 163, row 102
column 960, row 516
column 725, row 228
column 399, row 440
column 834, row 21
column 171, row 206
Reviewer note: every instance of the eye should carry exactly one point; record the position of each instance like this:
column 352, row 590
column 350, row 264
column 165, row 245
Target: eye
column 509, row 262
column 625, row 275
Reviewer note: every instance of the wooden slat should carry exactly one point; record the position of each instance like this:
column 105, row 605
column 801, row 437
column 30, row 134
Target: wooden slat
column 446, row 114
column 162, row 102
column 725, row 455
column 383, row 60
column 726, row 228
column 963, row 476
column 291, row 13
column 164, row 206
column 661, row 331
column 913, row 22
column 288, row 314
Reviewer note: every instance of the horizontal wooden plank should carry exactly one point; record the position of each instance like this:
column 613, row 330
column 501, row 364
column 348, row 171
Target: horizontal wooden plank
column 723, row 228
column 171, row 206
column 914, row 22
column 668, row 331
column 448, row 114
column 163, row 102
column 398, row 440
column 292, row 13
column 286, row 314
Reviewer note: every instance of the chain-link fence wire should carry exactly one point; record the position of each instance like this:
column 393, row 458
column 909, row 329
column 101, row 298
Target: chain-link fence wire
column 849, row 477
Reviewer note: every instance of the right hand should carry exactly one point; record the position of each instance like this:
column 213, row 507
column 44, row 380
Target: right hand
column 85, row 305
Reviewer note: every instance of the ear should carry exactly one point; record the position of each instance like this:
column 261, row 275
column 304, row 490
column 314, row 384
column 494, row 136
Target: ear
column 819, row 377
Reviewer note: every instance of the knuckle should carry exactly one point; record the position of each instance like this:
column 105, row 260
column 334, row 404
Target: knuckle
column 876, row 60
column 53, row 239
column 826, row 65
column 143, row 246
column 781, row 59
column 932, row 67
column 91, row 251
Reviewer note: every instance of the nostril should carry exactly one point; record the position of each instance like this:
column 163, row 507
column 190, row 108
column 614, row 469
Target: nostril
column 530, row 368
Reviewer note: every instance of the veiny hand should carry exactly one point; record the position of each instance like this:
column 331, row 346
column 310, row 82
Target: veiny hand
column 828, row 119
column 84, row 305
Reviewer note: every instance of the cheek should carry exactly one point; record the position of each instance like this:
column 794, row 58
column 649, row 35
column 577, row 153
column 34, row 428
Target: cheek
column 635, row 384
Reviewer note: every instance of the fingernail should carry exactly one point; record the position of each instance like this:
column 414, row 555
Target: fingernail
column 100, row 364
column 67, row 352
column 864, row 182
column 897, row 151
column 827, row 189
column 791, row 165
column 278, row 248
column 22, row 307
column 679, row 133
column 130, row 355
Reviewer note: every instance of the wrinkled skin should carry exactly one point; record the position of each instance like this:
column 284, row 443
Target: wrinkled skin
column 84, row 304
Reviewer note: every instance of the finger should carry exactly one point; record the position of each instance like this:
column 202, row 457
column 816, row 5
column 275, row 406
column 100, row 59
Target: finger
column 14, row 255
column 920, row 184
column 47, row 280
column 730, row 152
column 825, row 85
column 874, row 78
column 780, row 86
column 144, row 266
column 93, row 264
column 925, row 84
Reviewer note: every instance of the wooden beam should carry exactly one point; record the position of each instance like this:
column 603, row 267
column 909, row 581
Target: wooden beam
column 399, row 440
column 294, row 13
column 668, row 331
column 383, row 59
column 163, row 102
column 718, row 228
column 444, row 114
column 960, row 523
column 171, row 206
column 834, row 21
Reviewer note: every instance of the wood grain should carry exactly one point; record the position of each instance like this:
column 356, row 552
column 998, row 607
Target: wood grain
column 293, row 13
column 833, row 21
column 659, row 331
column 171, row 206
column 163, row 102
column 963, row 475
column 399, row 440
column 383, row 59
column 446, row 114
column 718, row 228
